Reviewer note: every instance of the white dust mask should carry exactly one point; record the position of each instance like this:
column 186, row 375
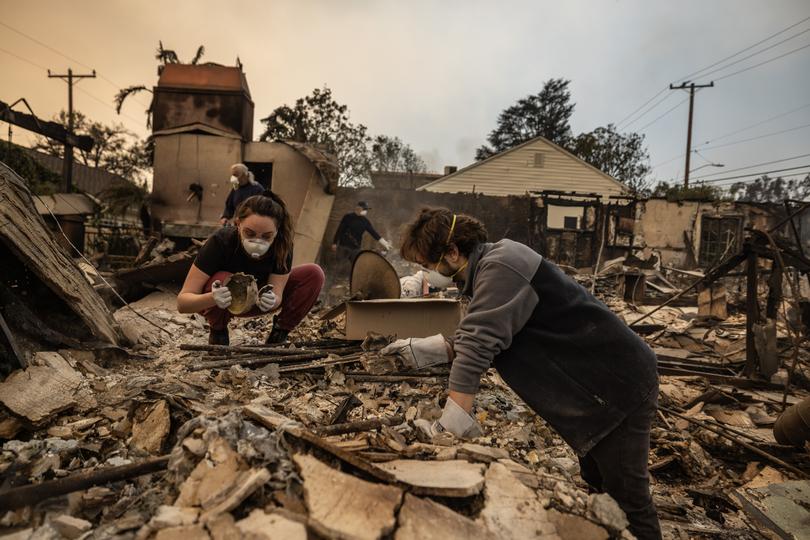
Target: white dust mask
column 255, row 247
column 438, row 280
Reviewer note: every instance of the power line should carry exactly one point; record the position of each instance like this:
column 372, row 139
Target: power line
column 710, row 181
column 663, row 115
column 700, row 71
column 752, row 166
column 713, row 139
column 690, row 75
column 18, row 57
column 728, row 184
column 762, row 63
column 63, row 55
column 755, row 138
column 744, row 58
column 703, row 145
column 80, row 89
column 620, row 122
column 650, row 108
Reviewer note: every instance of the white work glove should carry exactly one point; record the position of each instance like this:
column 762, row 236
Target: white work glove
column 385, row 244
column 222, row 296
column 267, row 300
column 419, row 353
column 454, row 420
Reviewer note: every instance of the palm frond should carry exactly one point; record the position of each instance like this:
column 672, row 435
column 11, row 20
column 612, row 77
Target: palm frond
column 166, row 56
column 124, row 93
column 198, row 56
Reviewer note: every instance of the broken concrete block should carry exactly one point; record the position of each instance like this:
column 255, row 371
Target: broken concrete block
column 223, row 527
column 70, row 527
column 187, row 532
column 173, row 516
column 261, row 526
column 781, row 508
column 484, row 454
column 456, row 478
column 341, row 505
column 604, row 509
column 151, row 427
column 511, row 510
column 243, row 487
column 572, row 527
column 524, row 474
column 48, row 386
column 767, row 476
column 423, row 519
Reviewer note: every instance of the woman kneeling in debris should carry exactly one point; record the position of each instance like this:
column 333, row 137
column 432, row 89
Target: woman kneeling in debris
column 561, row 350
column 260, row 245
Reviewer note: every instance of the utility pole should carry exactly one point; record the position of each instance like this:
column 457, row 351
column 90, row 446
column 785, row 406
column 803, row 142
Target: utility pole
column 691, row 87
column 67, row 163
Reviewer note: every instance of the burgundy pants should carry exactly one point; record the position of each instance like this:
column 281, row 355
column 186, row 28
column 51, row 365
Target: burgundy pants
column 300, row 294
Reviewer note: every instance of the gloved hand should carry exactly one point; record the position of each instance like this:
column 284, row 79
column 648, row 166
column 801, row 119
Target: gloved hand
column 222, row 296
column 267, row 299
column 419, row 353
column 454, row 420
column 385, row 244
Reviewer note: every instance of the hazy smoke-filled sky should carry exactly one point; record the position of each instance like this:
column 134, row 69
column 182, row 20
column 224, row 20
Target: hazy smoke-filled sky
column 437, row 73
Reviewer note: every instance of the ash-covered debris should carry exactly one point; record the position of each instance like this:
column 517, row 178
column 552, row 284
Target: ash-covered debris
column 255, row 441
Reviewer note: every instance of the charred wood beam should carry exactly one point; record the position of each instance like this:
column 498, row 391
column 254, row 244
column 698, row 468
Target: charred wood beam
column 12, row 343
column 343, row 410
column 27, row 321
column 723, row 433
column 264, row 360
column 32, row 494
column 360, row 425
column 52, row 130
column 751, row 314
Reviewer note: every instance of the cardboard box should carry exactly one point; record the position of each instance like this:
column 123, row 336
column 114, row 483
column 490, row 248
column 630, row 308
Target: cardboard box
column 403, row 317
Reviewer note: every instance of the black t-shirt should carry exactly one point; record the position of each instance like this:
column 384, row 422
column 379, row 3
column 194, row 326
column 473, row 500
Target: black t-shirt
column 223, row 251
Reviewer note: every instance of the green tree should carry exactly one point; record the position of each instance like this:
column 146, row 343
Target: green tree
column 115, row 149
column 391, row 154
column 767, row 189
column 621, row 155
column 676, row 192
column 41, row 181
column 320, row 120
column 546, row 113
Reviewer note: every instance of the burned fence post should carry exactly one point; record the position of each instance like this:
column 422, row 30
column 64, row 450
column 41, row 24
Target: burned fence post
column 751, row 313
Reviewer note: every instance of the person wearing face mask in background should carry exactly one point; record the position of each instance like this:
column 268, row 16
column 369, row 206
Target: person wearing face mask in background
column 243, row 185
column 349, row 235
column 568, row 357
column 261, row 244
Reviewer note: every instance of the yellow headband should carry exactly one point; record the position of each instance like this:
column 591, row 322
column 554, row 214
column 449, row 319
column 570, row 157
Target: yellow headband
column 452, row 228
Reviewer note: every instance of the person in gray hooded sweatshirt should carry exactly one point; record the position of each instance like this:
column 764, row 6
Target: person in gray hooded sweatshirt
column 571, row 359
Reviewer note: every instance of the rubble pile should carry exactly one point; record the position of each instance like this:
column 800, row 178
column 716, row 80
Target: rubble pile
column 174, row 439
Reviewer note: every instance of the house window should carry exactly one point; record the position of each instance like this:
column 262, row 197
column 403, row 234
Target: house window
column 539, row 160
column 564, row 217
column 719, row 237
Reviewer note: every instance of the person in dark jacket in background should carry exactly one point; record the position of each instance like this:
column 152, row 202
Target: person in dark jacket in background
column 571, row 359
column 349, row 237
column 244, row 186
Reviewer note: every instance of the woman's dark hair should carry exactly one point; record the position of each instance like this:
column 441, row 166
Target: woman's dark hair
column 428, row 236
column 268, row 204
